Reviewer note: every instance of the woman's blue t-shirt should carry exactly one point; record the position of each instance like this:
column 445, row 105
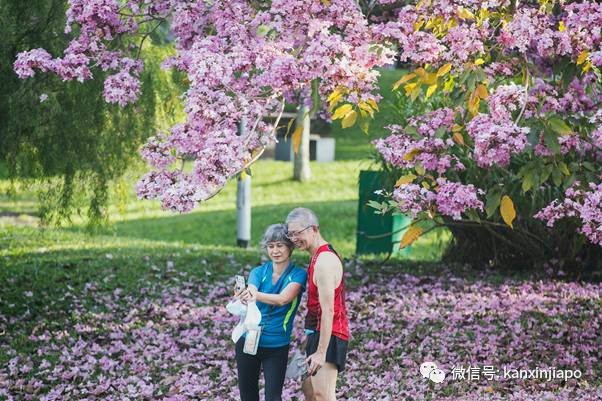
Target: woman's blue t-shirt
column 276, row 329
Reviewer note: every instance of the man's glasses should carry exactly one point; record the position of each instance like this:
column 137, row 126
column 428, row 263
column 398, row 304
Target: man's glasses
column 294, row 234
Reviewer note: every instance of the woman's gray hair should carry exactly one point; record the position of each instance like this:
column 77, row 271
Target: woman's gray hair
column 304, row 215
column 276, row 233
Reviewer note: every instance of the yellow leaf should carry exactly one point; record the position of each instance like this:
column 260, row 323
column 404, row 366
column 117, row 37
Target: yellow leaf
column 409, row 87
column 479, row 61
column 403, row 79
column 326, row 2
column 482, row 91
column 418, row 25
column 458, row 138
column 411, row 235
column 297, row 138
column 464, row 13
column 415, row 93
column 561, row 26
column 342, row 111
column 419, row 169
column 365, row 106
column 420, row 72
column 405, row 179
column 425, row 185
column 411, row 154
column 456, row 128
column 444, row 69
column 349, row 119
column 587, row 66
column 473, row 104
column 334, row 94
column 449, row 84
column 489, row 389
column 582, row 57
column 243, row 175
column 431, row 90
column 289, row 125
column 507, row 210
column 373, row 103
column 333, row 101
column 430, row 78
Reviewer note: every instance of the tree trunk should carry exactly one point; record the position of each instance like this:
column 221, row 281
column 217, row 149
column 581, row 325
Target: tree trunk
column 302, row 171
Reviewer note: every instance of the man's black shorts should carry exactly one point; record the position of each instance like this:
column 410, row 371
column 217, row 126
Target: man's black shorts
column 336, row 352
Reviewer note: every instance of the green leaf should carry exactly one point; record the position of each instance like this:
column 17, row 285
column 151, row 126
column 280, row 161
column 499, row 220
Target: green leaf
column 493, row 201
column 529, row 180
column 551, row 141
column 547, row 171
column 559, row 126
column 570, row 181
column 557, row 177
column 440, row 133
column 564, row 168
column 411, row 130
column 590, row 166
column 374, row 204
column 473, row 215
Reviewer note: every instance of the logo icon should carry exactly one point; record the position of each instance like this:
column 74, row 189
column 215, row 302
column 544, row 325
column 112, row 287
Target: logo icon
column 430, row 370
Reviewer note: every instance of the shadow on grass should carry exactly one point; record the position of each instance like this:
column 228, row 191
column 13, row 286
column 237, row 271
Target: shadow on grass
column 209, row 228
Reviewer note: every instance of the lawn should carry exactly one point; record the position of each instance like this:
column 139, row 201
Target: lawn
column 145, row 319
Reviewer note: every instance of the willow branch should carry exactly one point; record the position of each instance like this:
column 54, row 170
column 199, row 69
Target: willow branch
column 522, row 111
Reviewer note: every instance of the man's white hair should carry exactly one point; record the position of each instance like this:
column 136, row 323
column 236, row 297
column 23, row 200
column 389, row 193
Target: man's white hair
column 303, row 215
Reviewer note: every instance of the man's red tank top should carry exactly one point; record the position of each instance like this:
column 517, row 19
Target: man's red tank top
column 340, row 325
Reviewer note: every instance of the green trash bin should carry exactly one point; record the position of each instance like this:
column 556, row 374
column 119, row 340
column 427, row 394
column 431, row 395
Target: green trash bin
column 370, row 224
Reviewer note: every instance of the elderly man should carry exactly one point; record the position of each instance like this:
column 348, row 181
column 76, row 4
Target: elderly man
column 326, row 323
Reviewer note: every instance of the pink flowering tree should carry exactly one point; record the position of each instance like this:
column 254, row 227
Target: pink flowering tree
column 243, row 61
column 501, row 127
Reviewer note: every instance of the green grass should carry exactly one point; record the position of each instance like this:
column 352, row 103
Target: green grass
column 332, row 194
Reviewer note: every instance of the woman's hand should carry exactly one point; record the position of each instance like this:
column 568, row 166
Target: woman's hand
column 249, row 295
column 240, row 295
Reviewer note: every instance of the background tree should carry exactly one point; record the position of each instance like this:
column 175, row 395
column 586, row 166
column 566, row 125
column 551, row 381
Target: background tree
column 500, row 129
column 63, row 135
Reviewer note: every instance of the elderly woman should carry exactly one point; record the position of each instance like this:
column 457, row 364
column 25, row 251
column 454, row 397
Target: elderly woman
column 276, row 286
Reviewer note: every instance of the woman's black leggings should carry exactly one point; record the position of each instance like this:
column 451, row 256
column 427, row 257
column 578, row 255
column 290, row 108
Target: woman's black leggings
column 273, row 361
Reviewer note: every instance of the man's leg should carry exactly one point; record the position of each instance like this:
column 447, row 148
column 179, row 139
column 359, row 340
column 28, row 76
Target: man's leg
column 324, row 382
column 308, row 390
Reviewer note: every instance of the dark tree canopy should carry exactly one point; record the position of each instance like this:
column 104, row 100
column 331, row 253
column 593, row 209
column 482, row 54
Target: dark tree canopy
column 63, row 134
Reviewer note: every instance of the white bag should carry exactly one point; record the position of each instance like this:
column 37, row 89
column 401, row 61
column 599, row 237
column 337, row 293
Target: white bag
column 250, row 317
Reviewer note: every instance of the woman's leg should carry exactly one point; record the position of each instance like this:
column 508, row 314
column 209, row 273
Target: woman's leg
column 248, row 373
column 274, row 370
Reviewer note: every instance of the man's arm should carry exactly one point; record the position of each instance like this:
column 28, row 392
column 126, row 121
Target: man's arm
column 327, row 277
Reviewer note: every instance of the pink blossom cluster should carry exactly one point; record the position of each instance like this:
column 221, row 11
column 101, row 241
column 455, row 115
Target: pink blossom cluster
column 496, row 141
column 449, row 198
column 121, row 88
column 429, row 147
column 413, row 199
column 242, row 59
column 579, row 203
column 157, row 152
column 454, row 198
